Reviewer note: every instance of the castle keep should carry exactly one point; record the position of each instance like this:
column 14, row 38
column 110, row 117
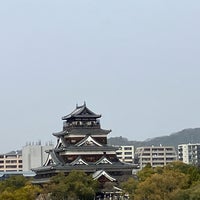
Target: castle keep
column 82, row 145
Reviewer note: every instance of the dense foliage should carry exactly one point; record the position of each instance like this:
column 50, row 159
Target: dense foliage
column 77, row 185
column 18, row 188
column 176, row 181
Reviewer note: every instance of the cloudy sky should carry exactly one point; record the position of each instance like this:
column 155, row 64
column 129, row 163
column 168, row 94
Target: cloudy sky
column 135, row 62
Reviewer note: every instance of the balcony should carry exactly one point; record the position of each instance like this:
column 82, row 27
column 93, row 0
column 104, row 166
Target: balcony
column 95, row 125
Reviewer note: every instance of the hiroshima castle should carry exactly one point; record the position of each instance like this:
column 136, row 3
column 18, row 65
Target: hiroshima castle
column 82, row 145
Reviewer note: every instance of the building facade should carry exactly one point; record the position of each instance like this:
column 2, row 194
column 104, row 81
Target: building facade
column 34, row 155
column 11, row 162
column 189, row 153
column 155, row 155
column 82, row 145
column 125, row 154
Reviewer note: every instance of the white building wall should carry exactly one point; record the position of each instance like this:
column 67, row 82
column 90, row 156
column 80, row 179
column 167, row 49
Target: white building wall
column 126, row 154
column 189, row 153
column 34, row 156
column 155, row 155
column 185, row 154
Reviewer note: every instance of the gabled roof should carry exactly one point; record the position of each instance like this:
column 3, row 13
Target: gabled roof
column 88, row 141
column 103, row 160
column 49, row 160
column 78, row 161
column 52, row 159
column 100, row 173
column 81, row 112
column 60, row 143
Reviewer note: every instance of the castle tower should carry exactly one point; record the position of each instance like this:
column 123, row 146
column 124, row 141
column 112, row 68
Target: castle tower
column 82, row 145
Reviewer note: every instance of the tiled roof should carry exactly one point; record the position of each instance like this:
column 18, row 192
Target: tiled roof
column 103, row 160
column 91, row 167
column 86, row 148
column 83, row 131
column 81, row 111
column 78, row 161
column 100, row 173
column 88, row 141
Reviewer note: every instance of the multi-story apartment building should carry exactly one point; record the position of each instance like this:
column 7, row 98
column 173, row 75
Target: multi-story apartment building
column 126, row 154
column 11, row 162
column 155, row 155
column 189, row 153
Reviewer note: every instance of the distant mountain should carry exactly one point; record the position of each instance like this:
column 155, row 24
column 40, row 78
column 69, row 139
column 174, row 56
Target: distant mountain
column 191, row 135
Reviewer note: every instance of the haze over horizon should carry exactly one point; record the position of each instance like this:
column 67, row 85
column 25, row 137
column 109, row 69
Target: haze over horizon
column 135, row 62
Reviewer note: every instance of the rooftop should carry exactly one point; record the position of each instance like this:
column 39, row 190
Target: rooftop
column 81, row 112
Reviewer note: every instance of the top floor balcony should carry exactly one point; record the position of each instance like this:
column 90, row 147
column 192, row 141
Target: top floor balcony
column 81, row 124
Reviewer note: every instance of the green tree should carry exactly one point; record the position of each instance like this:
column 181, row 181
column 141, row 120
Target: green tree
column 193, row 193
column 13, row 183
column 28, row 192
column 7, row 195
column 192, row 171
column 77, row 185
column 161, row 186
column 129, row 187
column 146, row 172
column 18, row 188
column 175, row 181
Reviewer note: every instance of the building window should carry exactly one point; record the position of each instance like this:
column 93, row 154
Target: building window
column 169, row 154
column 146, row 154
column 169, row 149
column 11, row 166
column 128, row 157
column 11, row 156
column 127, row 148
column 128, row 153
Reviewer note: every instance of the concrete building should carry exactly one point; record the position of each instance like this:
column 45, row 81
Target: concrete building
column 11, row 162
column 126, row 154
column 155, row 155
column 189, row 153
column 34, row 155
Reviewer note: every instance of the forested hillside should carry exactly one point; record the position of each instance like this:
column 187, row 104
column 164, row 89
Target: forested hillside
column 174, row 139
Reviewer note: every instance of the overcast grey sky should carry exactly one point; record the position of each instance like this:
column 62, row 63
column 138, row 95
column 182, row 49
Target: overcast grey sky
column 135, row 62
